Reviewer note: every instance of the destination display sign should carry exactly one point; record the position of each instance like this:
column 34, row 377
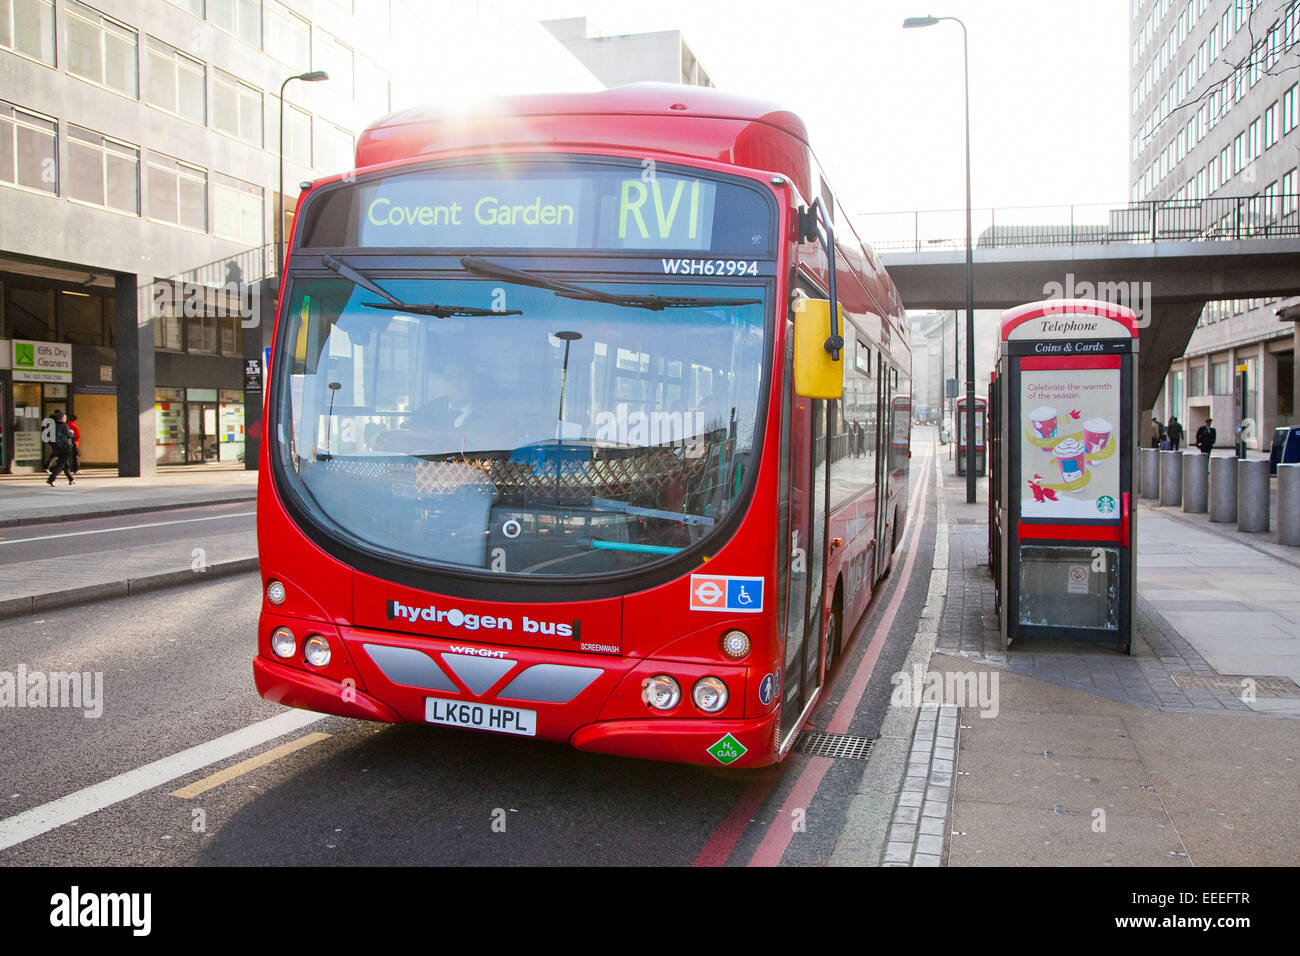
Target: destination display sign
column 544, row 206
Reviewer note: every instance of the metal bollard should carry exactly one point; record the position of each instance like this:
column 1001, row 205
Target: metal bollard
column 1150, row 487
column 1171, row 478
column 1196, row 483
column 1288, row 504
column 1223, row 488
column 1252, row 494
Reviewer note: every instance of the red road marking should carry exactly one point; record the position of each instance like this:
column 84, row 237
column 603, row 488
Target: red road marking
column 727, row 834
column 769, row 853
column 780, row 833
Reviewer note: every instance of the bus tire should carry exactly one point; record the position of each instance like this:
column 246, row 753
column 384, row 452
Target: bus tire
column 835, row 629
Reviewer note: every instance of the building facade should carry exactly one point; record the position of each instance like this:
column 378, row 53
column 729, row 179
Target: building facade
column 662, row 56
column 1215, row 112
column 140, row 162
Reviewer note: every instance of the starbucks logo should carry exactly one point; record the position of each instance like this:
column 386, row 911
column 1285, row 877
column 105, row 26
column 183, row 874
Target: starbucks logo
column 1105, row 504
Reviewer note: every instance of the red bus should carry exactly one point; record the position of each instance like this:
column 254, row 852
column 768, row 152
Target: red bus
column 534, row 462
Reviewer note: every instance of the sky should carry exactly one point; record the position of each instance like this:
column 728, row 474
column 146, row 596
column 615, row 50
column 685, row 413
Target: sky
column 1049, row 82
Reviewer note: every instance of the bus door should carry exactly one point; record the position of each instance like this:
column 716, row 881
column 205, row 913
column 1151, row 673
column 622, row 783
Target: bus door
column 883, row 400
column 808, row 475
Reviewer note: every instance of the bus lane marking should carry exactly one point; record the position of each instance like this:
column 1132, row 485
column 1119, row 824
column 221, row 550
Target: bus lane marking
column 50, row 816
column 215, row 780
column 728, row 834
column 780, row 832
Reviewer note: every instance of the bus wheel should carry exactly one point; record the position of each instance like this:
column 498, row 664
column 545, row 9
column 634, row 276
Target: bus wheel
column 893, row 545
column 834, row 627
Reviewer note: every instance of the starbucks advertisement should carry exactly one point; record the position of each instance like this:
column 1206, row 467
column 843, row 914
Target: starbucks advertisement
column 1070, row 443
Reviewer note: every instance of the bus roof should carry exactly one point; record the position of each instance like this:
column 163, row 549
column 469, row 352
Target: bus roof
column 664, row 117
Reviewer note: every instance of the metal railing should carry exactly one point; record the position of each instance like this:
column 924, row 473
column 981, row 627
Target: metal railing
column 1183, row 220
column 251, row 265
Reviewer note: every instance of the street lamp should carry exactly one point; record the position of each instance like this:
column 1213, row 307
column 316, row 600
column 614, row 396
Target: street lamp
column 909, row 23
column 316, row 76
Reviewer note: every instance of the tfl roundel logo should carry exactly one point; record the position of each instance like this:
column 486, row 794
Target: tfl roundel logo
column 720, row 592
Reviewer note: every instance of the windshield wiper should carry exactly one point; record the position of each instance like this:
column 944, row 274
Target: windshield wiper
column 394, row 304
column 655, row 303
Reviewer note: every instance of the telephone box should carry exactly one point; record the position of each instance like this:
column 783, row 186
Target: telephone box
column 1066, row 437
column 981, row 429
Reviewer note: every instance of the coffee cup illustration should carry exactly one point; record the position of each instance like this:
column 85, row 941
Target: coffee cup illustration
column 1044, row 421
column 1071, row 456
column 1096, row 434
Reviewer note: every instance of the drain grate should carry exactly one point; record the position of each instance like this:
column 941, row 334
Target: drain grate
column 1264, row 686
column 834, row 745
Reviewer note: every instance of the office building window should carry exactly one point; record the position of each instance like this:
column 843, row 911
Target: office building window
column 1290, row 184
column 103, row 171
column 1219, row 382
column 1290, row 109
column 1270, row 124
column 27, row 26
column 374, row 12
column 333, row 148
column 28, row 150
column 177, row 193
column 193, row 6
column 243, row 18
column 372, row 87
column 237, row 210
column 288, row 36
column 100, row 49
column 236, row 108
column 1196, row 381
column 335, row 58
column 168, row 332
column 297, row 131
column 176, row 83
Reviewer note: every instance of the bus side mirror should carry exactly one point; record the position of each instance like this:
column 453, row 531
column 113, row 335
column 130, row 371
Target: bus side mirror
column 816, row 374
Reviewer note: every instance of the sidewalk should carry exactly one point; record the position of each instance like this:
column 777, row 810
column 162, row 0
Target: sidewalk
column 1097, row 758
column 32, row 587
column 27, row 499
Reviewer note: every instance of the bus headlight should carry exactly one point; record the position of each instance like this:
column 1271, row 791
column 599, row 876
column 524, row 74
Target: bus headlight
column 275, row 593
column 316, row 651
column 710, row 694
column 735, row 644
column 283, row 642
column 661, row 692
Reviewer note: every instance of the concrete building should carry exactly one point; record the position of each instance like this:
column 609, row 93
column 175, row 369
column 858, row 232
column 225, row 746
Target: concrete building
column 662, row 56
column 1215, row 113
column 933, row 336
column 139, row 140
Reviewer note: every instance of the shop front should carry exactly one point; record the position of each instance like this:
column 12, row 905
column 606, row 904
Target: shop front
column 198, row 425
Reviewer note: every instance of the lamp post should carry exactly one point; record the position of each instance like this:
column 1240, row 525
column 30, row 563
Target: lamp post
column 969, row 429
column 315, row 76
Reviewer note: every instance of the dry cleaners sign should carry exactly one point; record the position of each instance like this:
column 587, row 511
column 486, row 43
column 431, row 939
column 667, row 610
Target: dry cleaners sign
column 42, row 361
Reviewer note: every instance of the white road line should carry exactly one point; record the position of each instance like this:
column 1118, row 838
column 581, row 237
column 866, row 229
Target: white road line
column 57, row 813
column 132, row 527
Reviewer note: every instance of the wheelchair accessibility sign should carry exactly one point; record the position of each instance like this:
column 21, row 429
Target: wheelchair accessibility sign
column 718, row 592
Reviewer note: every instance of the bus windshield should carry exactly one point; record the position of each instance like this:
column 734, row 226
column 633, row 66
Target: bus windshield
column 492, row 425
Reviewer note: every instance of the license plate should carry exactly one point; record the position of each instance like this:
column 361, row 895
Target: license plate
column 503, row 720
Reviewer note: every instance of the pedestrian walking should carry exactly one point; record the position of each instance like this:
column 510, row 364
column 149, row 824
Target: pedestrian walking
column 1206, row 437
column 64, row 450
column 1174, row 432
column 76, row 443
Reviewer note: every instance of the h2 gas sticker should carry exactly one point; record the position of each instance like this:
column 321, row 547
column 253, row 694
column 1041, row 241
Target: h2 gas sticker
column 720, row 592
